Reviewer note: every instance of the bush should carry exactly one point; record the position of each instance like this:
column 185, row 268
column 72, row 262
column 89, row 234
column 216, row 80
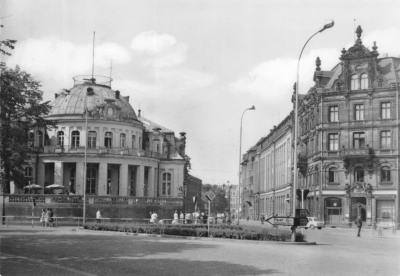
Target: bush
column 218, row 231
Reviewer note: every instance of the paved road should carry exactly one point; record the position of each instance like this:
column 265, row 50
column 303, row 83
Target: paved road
column 65, row 252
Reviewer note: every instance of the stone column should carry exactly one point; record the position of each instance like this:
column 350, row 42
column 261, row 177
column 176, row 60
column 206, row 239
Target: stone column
column 79, row 178
column 58, row 172
column 151, row 186
column 140, row 181
column 123, row 180
column 102, row 186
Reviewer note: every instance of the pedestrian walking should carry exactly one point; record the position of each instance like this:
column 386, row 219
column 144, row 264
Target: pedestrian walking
column 98, row 216
column 358, row 222
column 42, row 218
column 262, row 219
column 153, row 218
column 51, row 221
column 182, row 217
column 47, row 218
column 176, row 218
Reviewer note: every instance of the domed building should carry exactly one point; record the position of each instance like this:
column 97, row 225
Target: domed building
column 129, row 158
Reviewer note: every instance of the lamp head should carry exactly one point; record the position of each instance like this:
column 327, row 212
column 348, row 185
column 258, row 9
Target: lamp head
column 252, row 108
column 328, row 24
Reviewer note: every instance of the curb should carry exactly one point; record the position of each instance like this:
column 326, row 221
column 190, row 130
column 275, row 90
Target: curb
column 201, row 238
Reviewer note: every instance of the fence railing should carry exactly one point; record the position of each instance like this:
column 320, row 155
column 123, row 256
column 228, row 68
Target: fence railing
column 92, row 199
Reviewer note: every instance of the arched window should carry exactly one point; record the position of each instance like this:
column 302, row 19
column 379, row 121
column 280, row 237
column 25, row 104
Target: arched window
column 354, row 82
column 91, row 180
column 359, row 174
column 133, row 141
column 75, row 139
column 364, row 81
column 109, row 181
column 385, row 174
column 122, row 140
column 166, row 184
column 39, row 136
column 60, row 138
column 72, row 180
column 108, row 140
column 92, row 138
column 28, row 171
column 332, row 175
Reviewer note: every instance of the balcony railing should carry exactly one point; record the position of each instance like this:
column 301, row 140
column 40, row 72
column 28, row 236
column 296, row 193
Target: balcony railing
column 91, row 199
column 101, row 150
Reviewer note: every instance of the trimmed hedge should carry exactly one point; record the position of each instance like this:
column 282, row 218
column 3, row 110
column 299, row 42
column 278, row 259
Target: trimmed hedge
column 222, row 231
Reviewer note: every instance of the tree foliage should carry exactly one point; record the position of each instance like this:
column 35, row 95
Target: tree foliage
column 220, row 203
column 22, row 110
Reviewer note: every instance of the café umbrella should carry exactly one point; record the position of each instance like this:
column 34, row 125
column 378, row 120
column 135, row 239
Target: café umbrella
column 55, row 186
column 33, row 186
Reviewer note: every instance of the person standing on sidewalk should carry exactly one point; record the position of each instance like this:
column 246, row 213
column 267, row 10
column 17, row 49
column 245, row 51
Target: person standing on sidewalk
column 98, row 216
column 358, row 222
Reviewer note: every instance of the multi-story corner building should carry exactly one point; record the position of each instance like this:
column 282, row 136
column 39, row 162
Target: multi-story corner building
column 266, row 171
column 231, row 194
column 348, row 156
column 348, row 138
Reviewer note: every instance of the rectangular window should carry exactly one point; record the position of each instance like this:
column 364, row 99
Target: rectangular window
column 359, row 112
column 385, row 110
column 359, row 140
column 333, row 141
column 385, row 139
column 334, row 114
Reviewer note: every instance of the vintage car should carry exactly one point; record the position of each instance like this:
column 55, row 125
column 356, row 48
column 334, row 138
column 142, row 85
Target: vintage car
column 314, row 222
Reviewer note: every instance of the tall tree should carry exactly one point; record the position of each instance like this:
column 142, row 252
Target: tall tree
column 22, row 110
column 220, row 203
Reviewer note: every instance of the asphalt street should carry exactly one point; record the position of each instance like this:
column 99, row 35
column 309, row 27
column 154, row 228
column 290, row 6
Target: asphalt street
column 61, row 251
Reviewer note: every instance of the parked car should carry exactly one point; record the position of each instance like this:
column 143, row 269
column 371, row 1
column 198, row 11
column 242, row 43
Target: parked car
column 314, row 222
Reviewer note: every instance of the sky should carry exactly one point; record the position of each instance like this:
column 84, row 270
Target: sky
column 195, row 66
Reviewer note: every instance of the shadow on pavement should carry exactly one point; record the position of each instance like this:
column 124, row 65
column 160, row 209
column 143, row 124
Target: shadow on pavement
column 123, row 255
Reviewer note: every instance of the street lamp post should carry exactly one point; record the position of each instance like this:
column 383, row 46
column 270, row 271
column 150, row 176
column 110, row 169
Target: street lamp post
column 328, row 24
column 240, row 161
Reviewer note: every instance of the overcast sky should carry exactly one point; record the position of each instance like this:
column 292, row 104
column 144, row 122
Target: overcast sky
column 195, row 66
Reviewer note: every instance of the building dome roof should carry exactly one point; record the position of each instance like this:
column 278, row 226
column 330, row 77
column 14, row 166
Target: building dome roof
column 102, row 102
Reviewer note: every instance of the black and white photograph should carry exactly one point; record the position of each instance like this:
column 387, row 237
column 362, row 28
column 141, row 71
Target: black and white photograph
column 199, row 137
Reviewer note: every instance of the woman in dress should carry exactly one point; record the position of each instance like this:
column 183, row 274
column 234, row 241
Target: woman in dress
column 43, row 217
column 47, row 218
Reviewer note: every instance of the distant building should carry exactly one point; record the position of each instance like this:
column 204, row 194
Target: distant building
column 193, row 194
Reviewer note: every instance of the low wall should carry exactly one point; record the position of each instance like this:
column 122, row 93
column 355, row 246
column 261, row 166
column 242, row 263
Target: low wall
column 72, row 206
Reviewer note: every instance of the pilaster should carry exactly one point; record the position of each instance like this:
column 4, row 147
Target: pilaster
column 151, row 186
column 79, row 178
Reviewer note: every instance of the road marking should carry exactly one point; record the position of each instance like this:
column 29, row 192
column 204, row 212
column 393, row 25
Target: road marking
column 49, row 264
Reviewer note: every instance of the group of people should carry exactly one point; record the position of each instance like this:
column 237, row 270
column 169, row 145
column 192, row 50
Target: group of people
column 47, row 218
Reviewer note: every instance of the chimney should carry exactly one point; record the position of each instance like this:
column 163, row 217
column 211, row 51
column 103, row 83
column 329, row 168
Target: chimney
column 384, row 55
column 139, row 112
column 126, row 98
column 55, row 95
column 117, row 94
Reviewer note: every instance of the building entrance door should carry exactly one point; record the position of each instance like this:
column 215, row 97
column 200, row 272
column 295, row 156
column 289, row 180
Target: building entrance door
column 358, row 208
column 334, row 215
